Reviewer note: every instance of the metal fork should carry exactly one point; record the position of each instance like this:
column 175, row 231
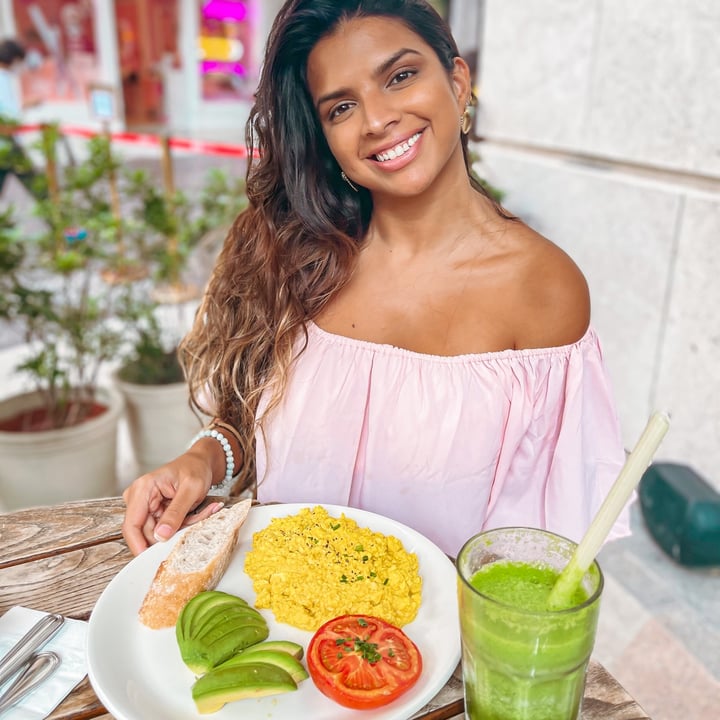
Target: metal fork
column 39, row 667
column 33, row 639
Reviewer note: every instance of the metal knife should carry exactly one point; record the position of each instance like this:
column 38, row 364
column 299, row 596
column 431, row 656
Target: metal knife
column 33, row 639
column 40, row 667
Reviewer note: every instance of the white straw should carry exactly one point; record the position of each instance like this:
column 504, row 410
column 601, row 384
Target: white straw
column 635, row 465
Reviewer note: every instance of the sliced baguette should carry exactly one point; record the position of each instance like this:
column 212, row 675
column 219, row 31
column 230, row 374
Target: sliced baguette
column 196, row 563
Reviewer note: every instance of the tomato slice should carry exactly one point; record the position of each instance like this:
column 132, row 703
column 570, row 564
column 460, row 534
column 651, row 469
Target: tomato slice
column 362, row 662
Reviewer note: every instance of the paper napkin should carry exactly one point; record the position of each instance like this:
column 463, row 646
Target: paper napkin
column 68, row 643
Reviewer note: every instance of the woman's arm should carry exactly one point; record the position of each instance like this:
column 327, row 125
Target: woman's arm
column 159, row 502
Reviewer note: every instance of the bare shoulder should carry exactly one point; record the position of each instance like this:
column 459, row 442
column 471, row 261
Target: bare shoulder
column 552, row 291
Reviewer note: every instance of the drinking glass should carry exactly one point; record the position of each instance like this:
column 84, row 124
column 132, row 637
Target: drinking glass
column 521, row 664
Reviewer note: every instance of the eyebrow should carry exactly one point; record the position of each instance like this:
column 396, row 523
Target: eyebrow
column 379, row 70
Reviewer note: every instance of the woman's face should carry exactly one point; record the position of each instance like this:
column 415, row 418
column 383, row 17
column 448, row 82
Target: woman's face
column 389, row 110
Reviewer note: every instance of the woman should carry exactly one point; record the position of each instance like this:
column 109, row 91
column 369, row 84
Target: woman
column 377, row 331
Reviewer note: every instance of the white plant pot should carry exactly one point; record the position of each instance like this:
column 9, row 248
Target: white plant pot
column 160, row 421
column 55, row 466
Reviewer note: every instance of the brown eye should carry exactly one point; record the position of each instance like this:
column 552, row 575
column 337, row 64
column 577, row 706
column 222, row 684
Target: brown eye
column 339, row 110
column 401, row 76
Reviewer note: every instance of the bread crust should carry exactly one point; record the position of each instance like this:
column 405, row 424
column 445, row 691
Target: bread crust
column 172, row 587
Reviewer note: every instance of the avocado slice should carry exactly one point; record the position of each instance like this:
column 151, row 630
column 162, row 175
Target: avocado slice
column 278, row 658
column 250, row 680
column 287, row 646
column 198, row 605
column 227, row 625
column 209, row 608
column 214, row 621
column 202, row 656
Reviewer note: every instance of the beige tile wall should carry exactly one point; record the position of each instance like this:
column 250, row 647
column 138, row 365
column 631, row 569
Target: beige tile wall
column 634, row 81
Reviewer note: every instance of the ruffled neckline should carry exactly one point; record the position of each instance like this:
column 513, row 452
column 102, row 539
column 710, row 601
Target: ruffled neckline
column 387, row 349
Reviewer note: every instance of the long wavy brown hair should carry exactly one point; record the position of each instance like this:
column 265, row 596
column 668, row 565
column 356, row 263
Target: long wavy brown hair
column 296, row 244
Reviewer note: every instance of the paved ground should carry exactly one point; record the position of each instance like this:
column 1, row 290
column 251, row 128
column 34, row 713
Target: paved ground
column 660, row 628
column 660, row 625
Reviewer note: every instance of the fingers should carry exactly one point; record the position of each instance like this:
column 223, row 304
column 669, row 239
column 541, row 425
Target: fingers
column 188, row 495
column 157, row 503
column 138, row 514
column 148, row 530
column 145, row 502
column 206, row 512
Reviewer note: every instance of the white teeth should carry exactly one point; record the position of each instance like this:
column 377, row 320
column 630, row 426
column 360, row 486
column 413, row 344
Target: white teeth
column 398, row 150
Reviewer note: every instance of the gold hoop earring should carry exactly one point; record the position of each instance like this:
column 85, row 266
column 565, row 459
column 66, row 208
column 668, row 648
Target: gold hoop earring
column 466, row 120
column 347, row 180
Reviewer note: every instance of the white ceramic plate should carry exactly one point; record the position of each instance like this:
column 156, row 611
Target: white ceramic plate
column 138, row 673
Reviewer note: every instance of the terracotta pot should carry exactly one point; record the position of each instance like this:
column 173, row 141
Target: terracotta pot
column 54, row 466
column 160, row 421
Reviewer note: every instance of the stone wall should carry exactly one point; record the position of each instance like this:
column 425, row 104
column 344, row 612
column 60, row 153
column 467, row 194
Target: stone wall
column 600, row 121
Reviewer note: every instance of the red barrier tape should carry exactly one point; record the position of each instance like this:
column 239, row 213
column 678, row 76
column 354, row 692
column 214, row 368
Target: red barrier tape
column 198, row 146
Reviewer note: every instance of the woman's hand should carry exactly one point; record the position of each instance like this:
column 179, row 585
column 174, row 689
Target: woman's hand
column 158, row 503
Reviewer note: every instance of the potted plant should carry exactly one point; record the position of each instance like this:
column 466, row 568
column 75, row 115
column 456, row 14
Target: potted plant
column 173, row 237
column 150, row 379
column 58, row 440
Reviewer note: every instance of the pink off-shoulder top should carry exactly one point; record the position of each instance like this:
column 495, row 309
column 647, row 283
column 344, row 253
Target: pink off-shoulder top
column 447, row 445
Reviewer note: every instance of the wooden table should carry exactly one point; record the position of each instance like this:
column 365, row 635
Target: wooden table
column 59, row 559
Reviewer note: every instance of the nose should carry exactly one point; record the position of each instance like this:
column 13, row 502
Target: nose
column 379, row 113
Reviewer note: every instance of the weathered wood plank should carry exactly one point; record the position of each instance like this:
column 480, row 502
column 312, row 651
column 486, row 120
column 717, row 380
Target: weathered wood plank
column 27, row 535
column 454, row 711
column 606, row 698
column 67, row 582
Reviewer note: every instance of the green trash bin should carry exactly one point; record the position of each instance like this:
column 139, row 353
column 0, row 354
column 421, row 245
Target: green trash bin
column 682, row 513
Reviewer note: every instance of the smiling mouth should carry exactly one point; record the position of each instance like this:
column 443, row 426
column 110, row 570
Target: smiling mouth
column 399, row 150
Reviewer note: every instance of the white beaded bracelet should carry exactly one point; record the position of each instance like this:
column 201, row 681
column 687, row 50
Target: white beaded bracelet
column 226, row 482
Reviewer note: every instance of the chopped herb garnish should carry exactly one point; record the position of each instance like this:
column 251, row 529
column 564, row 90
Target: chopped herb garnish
column 362, row 622
column 365, row 558
column 335, row 527
column 368, row 651
column 372, row 574
column 391, row 653
column 360, row 577
column 385, row 581
column 359, row 548
column 343, row 578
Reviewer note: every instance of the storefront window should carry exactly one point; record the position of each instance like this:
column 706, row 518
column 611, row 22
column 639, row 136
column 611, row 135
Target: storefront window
column 147, row 39
column 59, row 39
column 224, row 49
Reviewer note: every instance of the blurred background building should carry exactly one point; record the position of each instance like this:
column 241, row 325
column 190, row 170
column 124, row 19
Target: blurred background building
column 181, row 65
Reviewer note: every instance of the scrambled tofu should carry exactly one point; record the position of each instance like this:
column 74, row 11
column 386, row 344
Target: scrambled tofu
column 311, row 567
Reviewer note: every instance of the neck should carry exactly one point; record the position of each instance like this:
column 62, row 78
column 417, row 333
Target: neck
column 432, row 221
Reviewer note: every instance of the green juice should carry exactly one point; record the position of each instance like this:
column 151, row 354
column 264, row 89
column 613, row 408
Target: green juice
column 521, row 661
column 521, row 585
